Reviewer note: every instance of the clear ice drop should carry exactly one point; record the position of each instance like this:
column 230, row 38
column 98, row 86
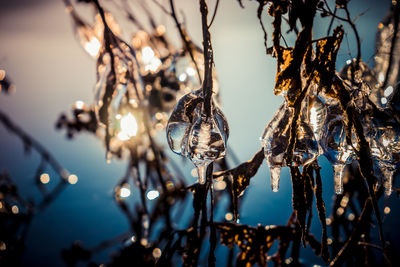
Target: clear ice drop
column 192, row 134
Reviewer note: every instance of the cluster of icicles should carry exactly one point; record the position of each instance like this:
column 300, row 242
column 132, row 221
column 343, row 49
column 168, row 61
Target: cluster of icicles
column 137, row 81
column 321, row 126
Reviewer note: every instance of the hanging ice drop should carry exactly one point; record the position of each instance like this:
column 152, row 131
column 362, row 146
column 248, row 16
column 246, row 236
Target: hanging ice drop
column 275, row 140
column 205, row 144
column 192, row 134
column 336, row 149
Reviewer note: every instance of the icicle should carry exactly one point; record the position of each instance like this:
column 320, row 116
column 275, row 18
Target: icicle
column 275, row 178
column 205, row 144
column 336, row 149
column 338, row 173
column 275, row 140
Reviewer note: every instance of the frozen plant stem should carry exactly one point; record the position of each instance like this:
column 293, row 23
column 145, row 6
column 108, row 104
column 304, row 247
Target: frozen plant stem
column 208, row 59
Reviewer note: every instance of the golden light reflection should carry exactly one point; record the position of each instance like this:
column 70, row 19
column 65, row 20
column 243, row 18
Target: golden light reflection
column 220, row 185
column 72, row 179
column 340, row 211
column 44, row 178
column 129, row 127
column 15, row 209
column 3, row 246
column 157, row 253
column 2, row 74
column 153, row 194
column 229, row 216
column 351, row 217
column 329, row 241
column 386, row 210
column 160, row 30
column 170, row 185
column 328, row 221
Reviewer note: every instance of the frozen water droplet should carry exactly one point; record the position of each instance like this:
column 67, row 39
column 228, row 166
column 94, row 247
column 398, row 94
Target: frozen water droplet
column 338, row 172
column 202, row 171
column 388, row 179
column 275, row 178
column 205, row 142
column 275, row 140
column 193, row 135
column 336, row 149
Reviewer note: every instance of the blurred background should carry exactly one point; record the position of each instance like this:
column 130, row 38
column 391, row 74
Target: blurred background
column 51, row 71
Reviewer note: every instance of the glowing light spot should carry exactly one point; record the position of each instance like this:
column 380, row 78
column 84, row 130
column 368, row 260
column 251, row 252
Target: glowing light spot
column 15, row 209
column 144, row 242
column 351, row 217
column 93, row 46
column 118, row 116
column 158, row 115
column 72, row 179
column 44, row 178
column 384, row 100
column 79, row 105
column 133, row 102
column 182, row 77
column 386, row 210
column 329, row 241
column 328, row 221
column 153, row 194
column 160, row 30
column 344, row 201
column 133, row 239
column 170, row 185
column 380, row 26
column 388, row 91
column 194, row 172
column 340, row 211
column 229, row 216
column 153, row 65
column 157, row 253
column 129, row 127
column 1, row 205
column 147, row 54
column 381, row 77
column 124, row 191
column 348, row 62
column 190, row 71
column 2, row 74
column 219, row 185
column 3, row 246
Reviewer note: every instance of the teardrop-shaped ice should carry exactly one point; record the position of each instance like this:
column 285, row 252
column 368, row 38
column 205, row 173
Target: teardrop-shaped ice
column 382, row 149
column 336, row 149
column 275, row 140
column 205, row 144
column 179, row 123
column 192, row 134
column 275, row 178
